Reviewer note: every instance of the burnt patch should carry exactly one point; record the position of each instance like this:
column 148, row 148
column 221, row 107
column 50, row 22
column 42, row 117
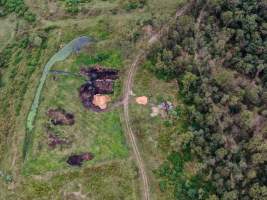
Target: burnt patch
column 60, row 117
column 98, row 72
column 100, row 81
column 77, row 160
column 54, row 140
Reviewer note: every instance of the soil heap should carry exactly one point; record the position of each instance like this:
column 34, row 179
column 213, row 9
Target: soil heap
column 100, row 82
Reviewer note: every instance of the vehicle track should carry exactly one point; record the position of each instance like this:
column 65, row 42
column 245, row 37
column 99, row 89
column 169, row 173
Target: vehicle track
column 126, row 93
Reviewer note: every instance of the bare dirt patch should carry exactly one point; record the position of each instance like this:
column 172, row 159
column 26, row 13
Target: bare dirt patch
column 101, row 101
column 142, row 100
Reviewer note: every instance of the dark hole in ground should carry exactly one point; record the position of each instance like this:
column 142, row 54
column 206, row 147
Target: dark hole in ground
column 77, row 160
column 100, row 81
column 60, row 117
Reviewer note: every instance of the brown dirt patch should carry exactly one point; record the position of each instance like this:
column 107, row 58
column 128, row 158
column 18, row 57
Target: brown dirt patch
column 101, row 101
column 143, row 100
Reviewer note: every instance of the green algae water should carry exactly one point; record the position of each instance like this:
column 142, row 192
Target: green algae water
column 73, row 46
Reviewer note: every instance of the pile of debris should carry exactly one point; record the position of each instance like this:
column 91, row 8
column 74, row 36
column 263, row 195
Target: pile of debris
column 60, row 117
column 100, row 82
column 77, row 160
column 162, row 109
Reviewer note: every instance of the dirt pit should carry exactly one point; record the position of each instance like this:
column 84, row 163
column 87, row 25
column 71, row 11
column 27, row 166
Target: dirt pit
column 77, row 160
column 60, row 117
column 101, row 81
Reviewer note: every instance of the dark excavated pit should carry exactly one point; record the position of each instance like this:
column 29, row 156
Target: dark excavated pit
column 98, row 72
column 77, row 160
column 100, row 81
column 60, row 117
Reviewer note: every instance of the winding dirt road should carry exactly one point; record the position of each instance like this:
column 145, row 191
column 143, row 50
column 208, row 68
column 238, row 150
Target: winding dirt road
column 126, row 93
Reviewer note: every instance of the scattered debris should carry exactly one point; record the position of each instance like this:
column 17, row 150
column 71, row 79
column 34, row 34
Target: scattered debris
column 100, row 82
column 166, row 106
column 162, row 109
column 101, row 101
column 60, row 117
column 77, row 160
column 143, row 100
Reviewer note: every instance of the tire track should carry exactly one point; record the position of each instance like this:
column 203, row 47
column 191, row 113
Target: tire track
column 126, row 93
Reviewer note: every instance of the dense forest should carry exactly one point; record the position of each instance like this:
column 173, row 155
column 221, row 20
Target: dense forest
column 217, row 52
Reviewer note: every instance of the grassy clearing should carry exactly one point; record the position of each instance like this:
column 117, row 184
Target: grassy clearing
column 109, row 181
column 154, row 134
column 100, row 133
column 6, row 30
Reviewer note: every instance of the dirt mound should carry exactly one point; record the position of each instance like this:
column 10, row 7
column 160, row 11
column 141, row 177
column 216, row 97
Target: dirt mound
column 98, row 72
column 142, row 100
column 60, row 117
column 77, row 160
column 101, row 101
column 104, row 86
column 100, row 82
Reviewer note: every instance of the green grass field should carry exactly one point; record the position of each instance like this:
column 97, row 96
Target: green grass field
column 99, row 133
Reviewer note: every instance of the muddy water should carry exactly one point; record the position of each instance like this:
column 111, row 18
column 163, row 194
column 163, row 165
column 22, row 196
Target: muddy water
column 74, row 46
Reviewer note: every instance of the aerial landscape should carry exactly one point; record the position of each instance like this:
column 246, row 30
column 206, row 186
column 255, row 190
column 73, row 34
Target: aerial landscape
column 133, row 100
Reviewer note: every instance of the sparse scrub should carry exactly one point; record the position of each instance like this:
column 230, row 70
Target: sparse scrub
column 18, row 7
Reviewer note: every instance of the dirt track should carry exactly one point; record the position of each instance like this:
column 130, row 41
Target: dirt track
column 126, row 92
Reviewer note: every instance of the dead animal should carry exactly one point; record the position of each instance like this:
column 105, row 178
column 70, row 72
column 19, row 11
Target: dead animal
column 77, row 160
column 60, row 117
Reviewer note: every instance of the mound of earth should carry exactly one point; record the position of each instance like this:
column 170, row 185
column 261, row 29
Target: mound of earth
column 77, row 160
column 143, row 100
column 97, row 72
column 101, row 101
column 100, row 82
column 60, row 117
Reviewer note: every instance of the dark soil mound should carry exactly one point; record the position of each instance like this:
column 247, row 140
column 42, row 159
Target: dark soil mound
column 60, row 117
column 100, row 82
column 98, row 72
column 77, row 160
